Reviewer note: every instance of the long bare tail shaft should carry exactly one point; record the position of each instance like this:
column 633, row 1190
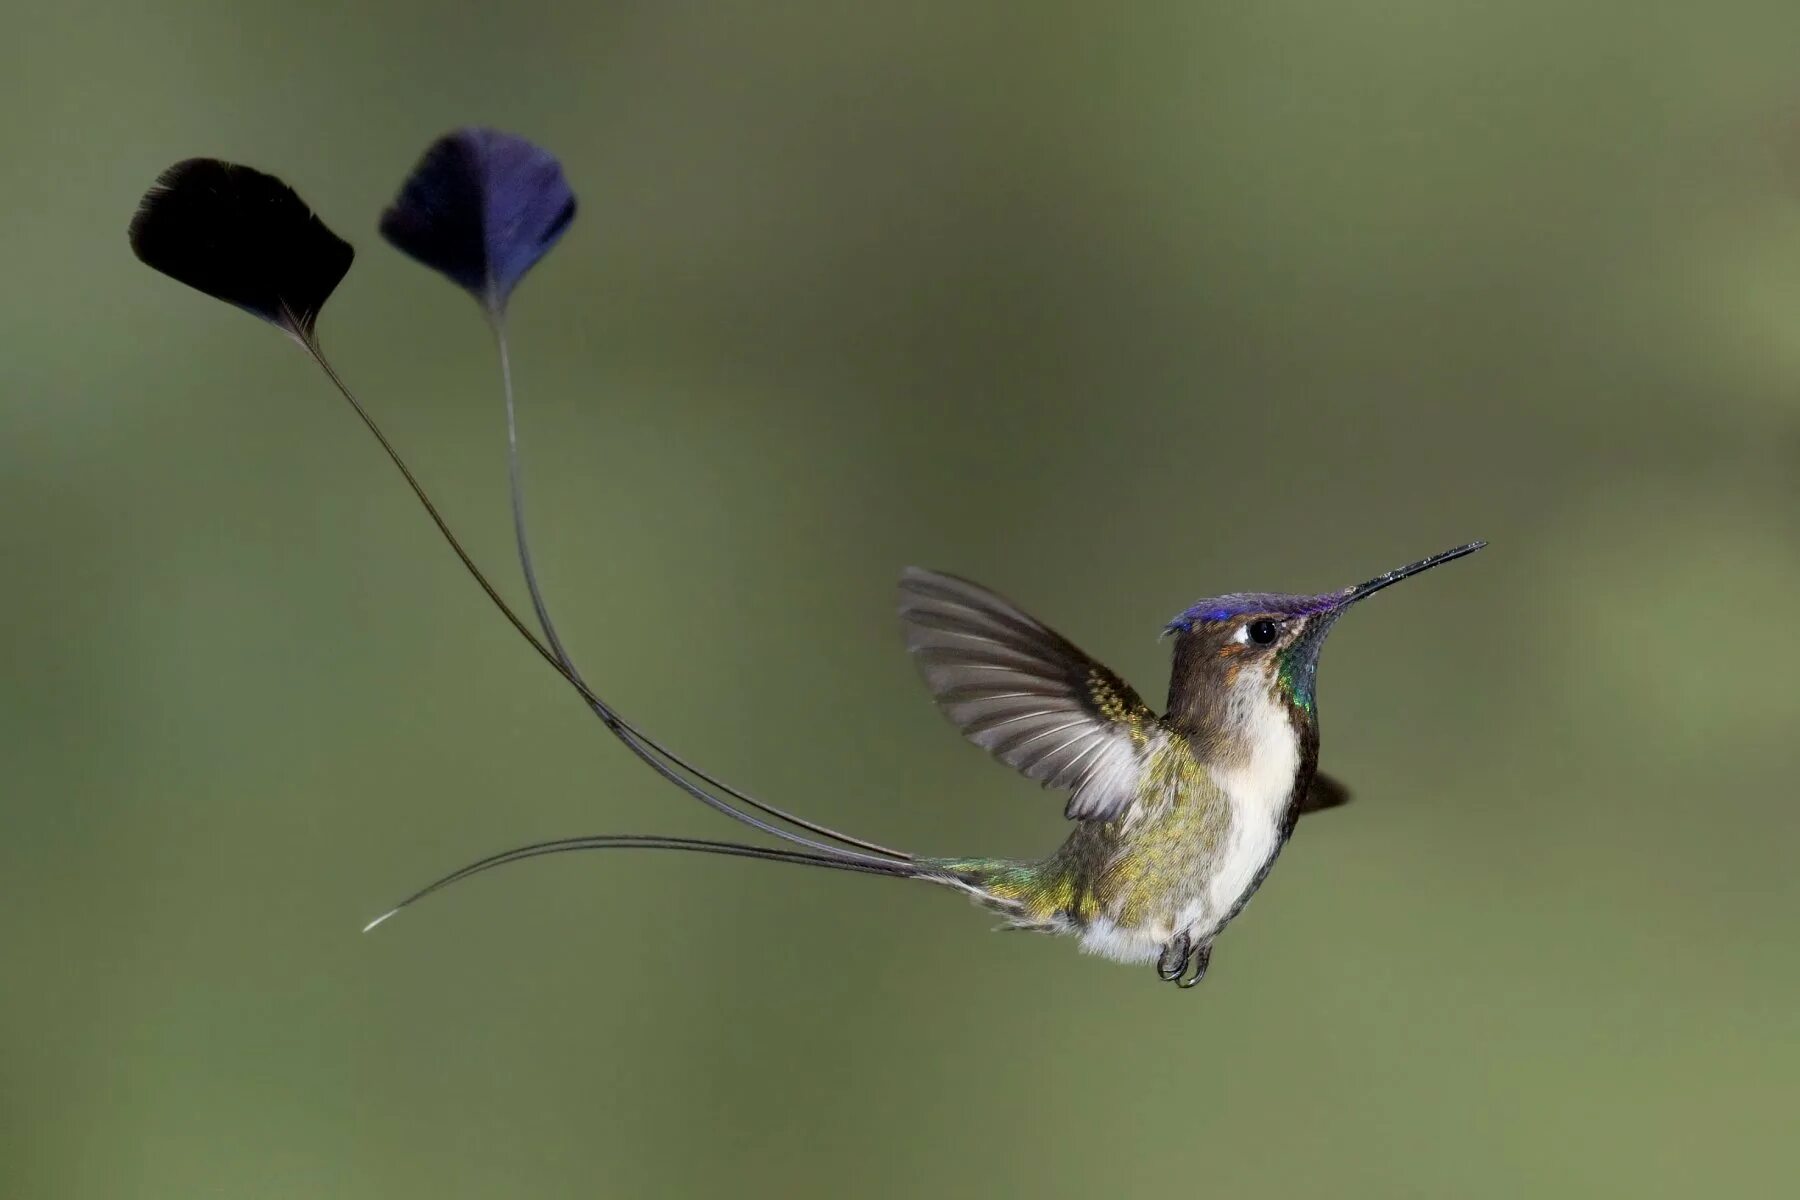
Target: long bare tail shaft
column 637, row 841
column 827, row 848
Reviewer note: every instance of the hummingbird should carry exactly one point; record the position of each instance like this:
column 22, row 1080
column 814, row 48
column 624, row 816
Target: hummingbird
column 1179, row 817
column 1176, row 818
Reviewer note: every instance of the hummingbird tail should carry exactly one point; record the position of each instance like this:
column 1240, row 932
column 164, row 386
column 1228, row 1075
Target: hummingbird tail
column 1030, row 895
column 687, row 777
column 942, row 872
column 807, row 842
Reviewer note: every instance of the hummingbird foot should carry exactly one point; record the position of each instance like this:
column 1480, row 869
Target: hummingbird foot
column 1182, row 963
column 1201, row 960
column 1172, row 963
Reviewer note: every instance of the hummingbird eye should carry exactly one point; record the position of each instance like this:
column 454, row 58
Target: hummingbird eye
column 1261, row 632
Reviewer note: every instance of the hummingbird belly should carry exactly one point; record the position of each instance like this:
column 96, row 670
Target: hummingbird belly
column 1149, row 892
column 1189, row 855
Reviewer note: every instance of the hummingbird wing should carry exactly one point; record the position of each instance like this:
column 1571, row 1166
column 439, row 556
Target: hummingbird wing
column 1324, row 793
column 1026, row 694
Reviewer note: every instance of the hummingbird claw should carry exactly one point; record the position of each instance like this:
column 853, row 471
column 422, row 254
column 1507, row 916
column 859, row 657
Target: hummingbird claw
column 1182, row 963
column 1202, row 957
column 1173, row 961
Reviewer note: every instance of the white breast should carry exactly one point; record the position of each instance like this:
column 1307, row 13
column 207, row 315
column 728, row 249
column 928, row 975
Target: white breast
column 1257, row 789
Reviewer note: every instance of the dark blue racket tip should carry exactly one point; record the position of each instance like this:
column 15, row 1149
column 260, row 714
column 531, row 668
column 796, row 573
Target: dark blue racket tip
column 481, row 208
column 242, row 237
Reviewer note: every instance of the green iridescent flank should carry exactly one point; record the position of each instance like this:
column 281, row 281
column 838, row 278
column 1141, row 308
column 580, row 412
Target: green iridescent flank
column 1127, row 868
column 1186, row 824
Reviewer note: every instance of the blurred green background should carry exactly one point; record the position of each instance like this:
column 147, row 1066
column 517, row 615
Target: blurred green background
column 1108, row 307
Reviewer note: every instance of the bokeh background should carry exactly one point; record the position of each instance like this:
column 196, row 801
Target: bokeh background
column 1109, row 307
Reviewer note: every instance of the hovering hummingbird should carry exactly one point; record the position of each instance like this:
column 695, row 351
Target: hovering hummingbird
column 1178, row 817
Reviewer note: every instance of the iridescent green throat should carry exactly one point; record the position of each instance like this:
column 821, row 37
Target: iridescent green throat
column 1297, row 665
column 1296, row 668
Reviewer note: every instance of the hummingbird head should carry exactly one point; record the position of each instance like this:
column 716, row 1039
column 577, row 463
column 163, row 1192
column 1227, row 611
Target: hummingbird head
column 1234, row 650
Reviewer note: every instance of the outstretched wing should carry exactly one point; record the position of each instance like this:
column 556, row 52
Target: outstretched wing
column 1026, row 694
column 1324, row 793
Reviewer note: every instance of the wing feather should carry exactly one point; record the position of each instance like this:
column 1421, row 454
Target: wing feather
column 1324, row 793
column 1026, row 694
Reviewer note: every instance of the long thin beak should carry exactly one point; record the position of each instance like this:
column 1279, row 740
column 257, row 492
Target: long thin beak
column 1424, row 564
